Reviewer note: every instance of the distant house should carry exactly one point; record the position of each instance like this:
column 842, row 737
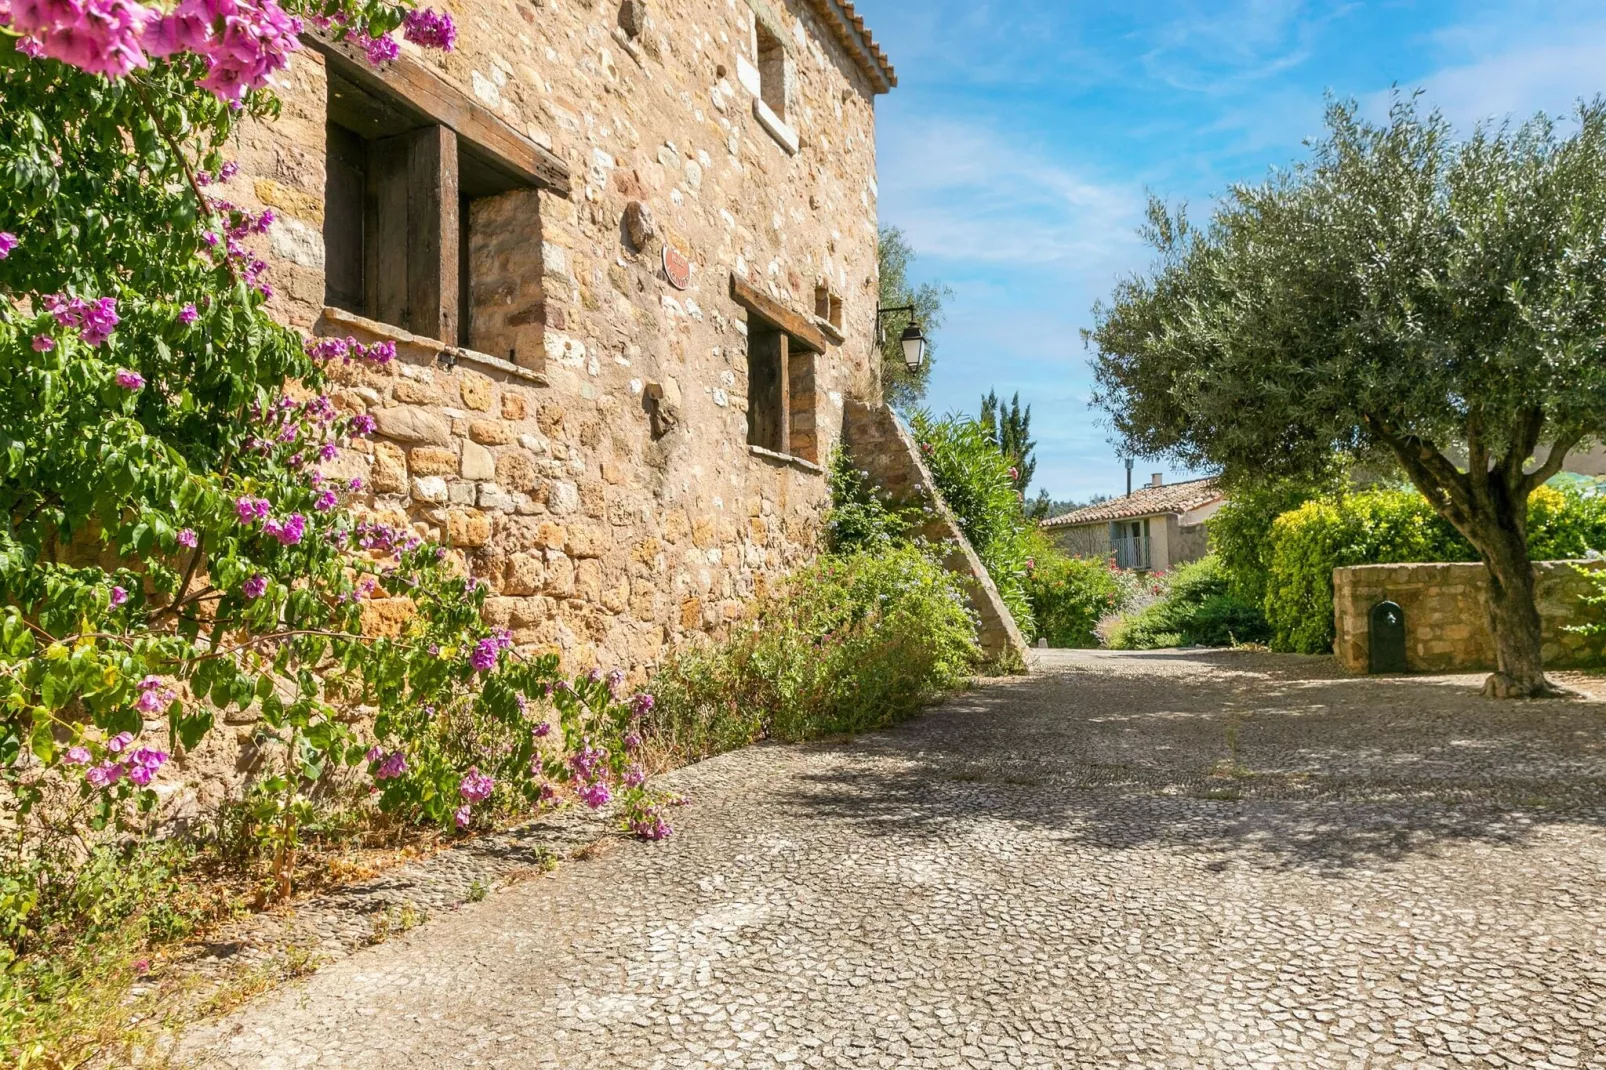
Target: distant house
column 1154, row 528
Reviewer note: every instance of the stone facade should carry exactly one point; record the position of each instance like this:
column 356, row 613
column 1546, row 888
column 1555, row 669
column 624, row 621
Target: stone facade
column 879, row 445
column 1446, row 614
column 583, row 438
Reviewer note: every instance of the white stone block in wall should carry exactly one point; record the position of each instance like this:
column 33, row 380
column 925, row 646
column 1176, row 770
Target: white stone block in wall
column 429, row 489
column 563, row 497
column 495, row 498
column 290, row 239
column 748, row 77
column 478, row 462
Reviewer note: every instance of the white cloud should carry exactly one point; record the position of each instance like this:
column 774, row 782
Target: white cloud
column 1547, row 75
column 966, row 193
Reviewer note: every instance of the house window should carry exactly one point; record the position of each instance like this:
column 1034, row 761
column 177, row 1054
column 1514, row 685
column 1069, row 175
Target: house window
column 1129, row 541
column 772, row 70
column 780, row 392
column 828, row 306
column 782, row 347
column 404, row 201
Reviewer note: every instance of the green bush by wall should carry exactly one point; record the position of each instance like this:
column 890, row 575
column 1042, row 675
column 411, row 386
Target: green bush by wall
column 974, row 479
column 1070, row 595
column 1389, row 527
column 1197, row 608
column 853, row 642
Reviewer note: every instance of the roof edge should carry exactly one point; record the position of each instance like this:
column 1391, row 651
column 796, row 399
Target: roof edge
column 856, row 39
column 1208, row 490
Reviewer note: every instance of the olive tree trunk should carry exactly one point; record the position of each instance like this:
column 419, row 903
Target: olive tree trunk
column 1513, row 618
column 1488, row 503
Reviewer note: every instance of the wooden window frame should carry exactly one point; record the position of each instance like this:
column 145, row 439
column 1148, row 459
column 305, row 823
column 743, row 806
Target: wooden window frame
column 775, row 332
column 429, row 149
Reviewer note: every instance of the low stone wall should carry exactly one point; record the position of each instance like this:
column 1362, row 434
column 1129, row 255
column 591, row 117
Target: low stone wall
column 1446, row 614
column 878, row 443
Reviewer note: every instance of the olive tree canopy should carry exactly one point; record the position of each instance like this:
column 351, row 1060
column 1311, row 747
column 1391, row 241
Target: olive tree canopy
column 1400, row 292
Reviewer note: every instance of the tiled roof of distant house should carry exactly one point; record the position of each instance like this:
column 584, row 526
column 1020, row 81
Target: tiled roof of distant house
column 1145, row 501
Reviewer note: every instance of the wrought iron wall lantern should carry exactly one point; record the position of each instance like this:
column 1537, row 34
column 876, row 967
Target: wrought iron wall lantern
column 913, row 338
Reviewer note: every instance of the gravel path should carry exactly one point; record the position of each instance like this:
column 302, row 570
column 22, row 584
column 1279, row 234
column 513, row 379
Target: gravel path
column 1168, row 859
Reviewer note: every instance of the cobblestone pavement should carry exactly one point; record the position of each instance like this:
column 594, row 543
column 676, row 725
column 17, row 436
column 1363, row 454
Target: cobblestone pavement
column 1167, row 859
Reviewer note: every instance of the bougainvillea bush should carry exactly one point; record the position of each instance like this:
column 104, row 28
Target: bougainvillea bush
column 850, row 642
column 172, row 550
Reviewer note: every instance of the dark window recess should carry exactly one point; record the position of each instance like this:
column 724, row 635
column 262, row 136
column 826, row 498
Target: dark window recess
column 772, row 71
column 780, row 391
column 767, row 385
column 343, row 219
column 396, row 213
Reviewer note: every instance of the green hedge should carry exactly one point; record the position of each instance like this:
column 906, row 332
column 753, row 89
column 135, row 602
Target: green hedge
column 1241, row 529
column 973, row 477
column 1070, row 595
column 1197, row 608
column 1387, row 527
column 852, row 642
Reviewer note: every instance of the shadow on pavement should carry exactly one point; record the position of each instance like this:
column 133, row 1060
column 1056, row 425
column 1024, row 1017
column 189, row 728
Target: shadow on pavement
column 1257, row 759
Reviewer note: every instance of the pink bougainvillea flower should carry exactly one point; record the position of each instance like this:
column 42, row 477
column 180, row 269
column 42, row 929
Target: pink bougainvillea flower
column 476, row 786
column 484, row 657
column 392, row 767
column 326, row 501
column 635, row 776
column 153, row 696
column 362, row 424
column 616, row 680
column 99, row 36
column 187, row 537
column 99, row 320
column 596, row 796
column 119, row 595
column 8, row 242
column 77, row 756
column 653, row 827
column 379, row 50
column 118, row 743
column 430, row 29
column 43, row 343
column 255, row 587
column 250, row 509
column 463, row 816
column 641, row 704
column 104, row 776
column 289, row 531
column 30, row 47
column 541, row 730
column 188, row 315
column 130, row 380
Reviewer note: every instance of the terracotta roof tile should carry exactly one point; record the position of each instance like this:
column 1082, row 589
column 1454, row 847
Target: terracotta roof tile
column 854, row 36
column 1144, row 501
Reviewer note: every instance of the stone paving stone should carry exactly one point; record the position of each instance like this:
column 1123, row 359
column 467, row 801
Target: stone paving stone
column 1154, row 859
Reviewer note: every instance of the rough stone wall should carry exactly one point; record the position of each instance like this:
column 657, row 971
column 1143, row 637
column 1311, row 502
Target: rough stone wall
column 1446, row 614
column 592, row 464
column 1088, row 540
column 878, row 444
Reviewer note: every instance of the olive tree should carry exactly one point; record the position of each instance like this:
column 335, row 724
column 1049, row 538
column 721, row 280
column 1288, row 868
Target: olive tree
column 1401, row 293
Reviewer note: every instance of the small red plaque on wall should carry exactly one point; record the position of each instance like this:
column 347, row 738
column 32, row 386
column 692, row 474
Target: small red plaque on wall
column 677, row 269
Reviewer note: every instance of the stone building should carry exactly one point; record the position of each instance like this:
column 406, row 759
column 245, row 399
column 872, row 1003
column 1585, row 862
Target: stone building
column 628, row 254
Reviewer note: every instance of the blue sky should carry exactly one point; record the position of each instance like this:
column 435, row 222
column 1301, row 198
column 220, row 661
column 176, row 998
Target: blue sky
column 1023, row 138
